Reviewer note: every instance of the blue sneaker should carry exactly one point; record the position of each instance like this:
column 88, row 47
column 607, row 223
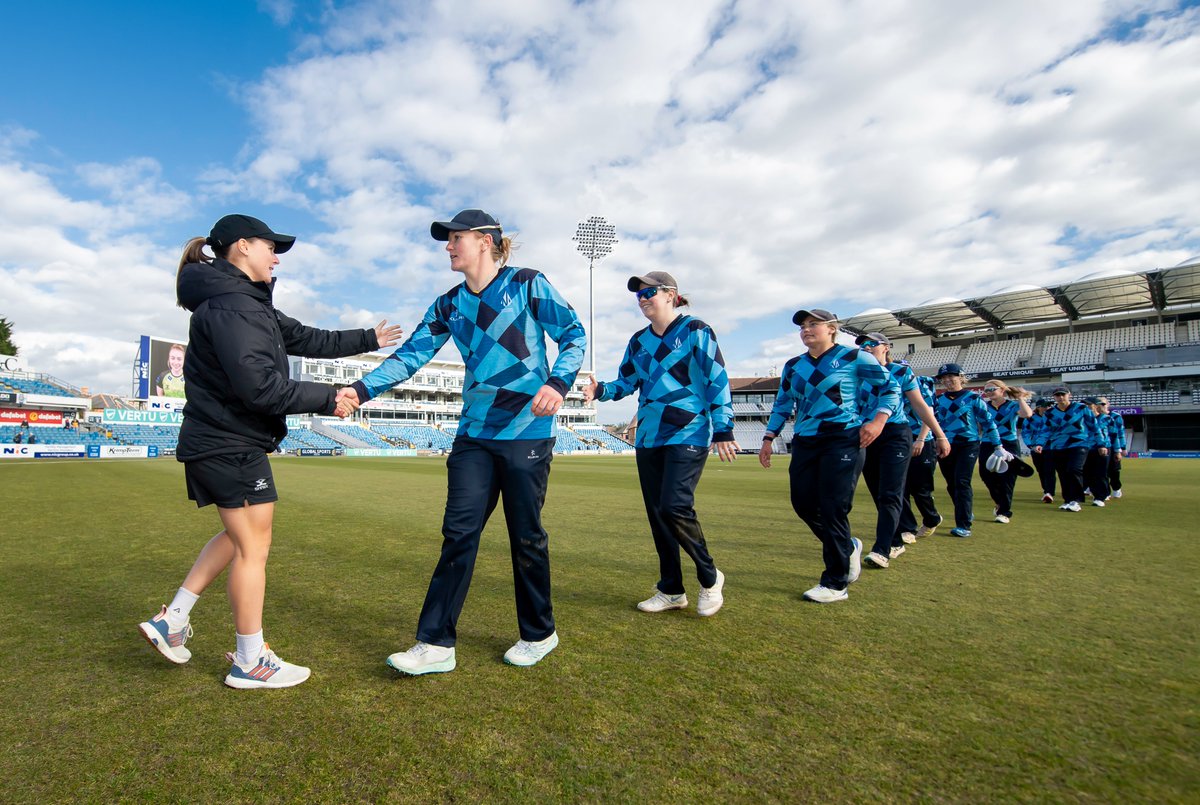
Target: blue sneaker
column 157, row 633
column 268, row 671
column 960, row 532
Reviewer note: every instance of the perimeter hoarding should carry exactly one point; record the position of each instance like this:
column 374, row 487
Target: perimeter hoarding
column 158, row 368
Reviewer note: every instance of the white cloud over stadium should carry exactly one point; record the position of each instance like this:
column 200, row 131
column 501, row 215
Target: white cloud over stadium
column 771, row 155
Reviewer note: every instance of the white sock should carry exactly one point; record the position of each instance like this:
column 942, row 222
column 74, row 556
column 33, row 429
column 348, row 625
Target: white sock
column 249, row 646
column 180, row 610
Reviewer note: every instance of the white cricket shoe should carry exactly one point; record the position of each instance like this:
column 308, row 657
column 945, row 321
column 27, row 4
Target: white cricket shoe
column 876, row 560
column 661, row 602
column 825, row 595
column 855, row 561
column 711, row 598
column 908, row 537
column 1000, row 518
column 169, row 643
column 423, row 658
column 1116, row 493
column 897, row 550
column 530, row 652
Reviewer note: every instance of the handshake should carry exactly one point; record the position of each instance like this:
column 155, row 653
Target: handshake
column 347, row 402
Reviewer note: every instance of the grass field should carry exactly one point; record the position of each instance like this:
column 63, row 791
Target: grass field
column 1054, row 659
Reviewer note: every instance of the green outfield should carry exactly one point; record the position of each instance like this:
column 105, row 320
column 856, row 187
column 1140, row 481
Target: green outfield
column 1053, row 659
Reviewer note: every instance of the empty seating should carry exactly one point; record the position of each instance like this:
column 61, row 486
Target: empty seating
column 996, row 356
column 1142, row 398
column 422, row 437
column 363, row 435
column 930, row 359
column 603, row 438
column 1071, row 349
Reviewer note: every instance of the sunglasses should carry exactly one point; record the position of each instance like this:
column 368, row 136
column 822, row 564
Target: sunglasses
column 650, row 293
column 869, row 344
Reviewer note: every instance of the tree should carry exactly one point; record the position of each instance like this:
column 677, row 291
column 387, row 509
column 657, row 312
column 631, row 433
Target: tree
column 7, row 347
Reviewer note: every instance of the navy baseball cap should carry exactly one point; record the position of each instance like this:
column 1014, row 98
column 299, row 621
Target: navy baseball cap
column 1061, row 390
column 949, row 369
column 817, row 313
column 232, row 228
column 472, row 220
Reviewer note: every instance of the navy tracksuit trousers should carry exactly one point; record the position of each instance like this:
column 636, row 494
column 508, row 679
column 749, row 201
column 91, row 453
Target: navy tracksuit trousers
column 822, row 475
column 668, row 476
column 918, row 485
column 958, row 469
column 885, row 467
column 480, row 472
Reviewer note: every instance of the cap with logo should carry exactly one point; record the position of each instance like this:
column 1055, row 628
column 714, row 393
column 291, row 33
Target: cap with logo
column 820, row 314
column 654, row 279
column 949, row 369
column 467, row 220
column 232, row 228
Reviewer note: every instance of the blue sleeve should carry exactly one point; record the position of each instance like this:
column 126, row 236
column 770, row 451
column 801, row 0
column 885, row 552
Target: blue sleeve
column 872, row 373
column 418, row 350
column 718, row 396
column 559, row 321
column 987, row 424
column 628, row 380
column 785, row 402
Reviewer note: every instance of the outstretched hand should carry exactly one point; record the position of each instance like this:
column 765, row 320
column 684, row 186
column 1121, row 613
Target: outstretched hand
column 589, row 391
column 388, row 336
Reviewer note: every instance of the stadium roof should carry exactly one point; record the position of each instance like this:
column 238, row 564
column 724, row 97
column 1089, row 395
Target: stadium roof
column 1093, row 295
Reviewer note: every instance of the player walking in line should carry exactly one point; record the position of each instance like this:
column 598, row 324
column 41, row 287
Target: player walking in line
column 821, row 387
column 887, row 459
column 918, row 484
column 1069, row 433
column 1095, row 466
column 684, row 407
column 238, row 397
column 499, row 317
column 1117, row 446
column 967, row 420
column 1009, row 405
column 1031, row 434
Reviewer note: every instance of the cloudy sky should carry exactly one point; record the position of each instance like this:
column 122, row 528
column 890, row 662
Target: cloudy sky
column 772, row 155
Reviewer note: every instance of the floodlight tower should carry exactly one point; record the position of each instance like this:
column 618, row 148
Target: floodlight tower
column 594, row 239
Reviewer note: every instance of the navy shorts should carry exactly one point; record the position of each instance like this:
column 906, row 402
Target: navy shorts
column 231, row 480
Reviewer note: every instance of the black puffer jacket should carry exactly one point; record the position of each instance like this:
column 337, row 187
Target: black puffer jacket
column 236, row 369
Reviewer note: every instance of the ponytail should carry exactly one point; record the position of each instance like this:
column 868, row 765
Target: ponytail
column 193, row 252
column 502, row 251
column 680, row 299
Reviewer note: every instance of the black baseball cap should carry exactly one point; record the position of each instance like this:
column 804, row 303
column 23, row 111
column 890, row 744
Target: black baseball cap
column 949, row 369
column 232, row 228
column 655, row 279
column 1043, row 402
column 1061, row 390
column 473, row 220
column 817, row 313
column 878, row 338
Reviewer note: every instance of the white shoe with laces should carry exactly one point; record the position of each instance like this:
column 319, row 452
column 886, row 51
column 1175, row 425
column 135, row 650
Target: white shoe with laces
column 661, row 602
column 908, row 537
column 825, row 595
column 424, row 658
column 855, row 561
column 897, row 550
column 530, row 652
column 1000, row 518
column 1116, row 493
column 268, row 671
column 876, row 560
column 711, row 598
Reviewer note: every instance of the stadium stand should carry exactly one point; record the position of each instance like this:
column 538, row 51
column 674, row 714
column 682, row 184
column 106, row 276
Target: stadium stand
column 996, row 356
column 1143, row 398
column 1073, row 349
column 43, row 384
column 1193, row 330
column 164, row 437
column 928, row 360
column 421, row 437
column 363, row 435
column 603, row 438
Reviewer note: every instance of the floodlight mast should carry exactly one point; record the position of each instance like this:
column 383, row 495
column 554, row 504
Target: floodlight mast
column 594, row 239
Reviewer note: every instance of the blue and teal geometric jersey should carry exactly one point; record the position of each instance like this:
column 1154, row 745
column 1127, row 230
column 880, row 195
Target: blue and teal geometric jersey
column 500, row 333
column 1117, row 429
column 870, row 400
column 683, row 390
column 1069, row 429
column 965, row 417
column 926, row 386
column 1006, row 417
column 823, row 391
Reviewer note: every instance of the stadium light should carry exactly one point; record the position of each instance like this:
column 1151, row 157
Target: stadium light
column 594, row 238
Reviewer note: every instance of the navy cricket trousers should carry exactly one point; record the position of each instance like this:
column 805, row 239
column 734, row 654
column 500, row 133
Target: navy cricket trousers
column 1069, row 462
column 999, row 485
column 958, row 468
column 480, row 471
column 918, row 485
column 885, row 467
column 668, row 476
column 822, row 475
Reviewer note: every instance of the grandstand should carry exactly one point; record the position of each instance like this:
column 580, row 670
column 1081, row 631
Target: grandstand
column 1132, row 336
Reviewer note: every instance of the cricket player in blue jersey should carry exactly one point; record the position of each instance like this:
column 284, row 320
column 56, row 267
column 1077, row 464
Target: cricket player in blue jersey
column 821, row 388
column 967, row 421
column 1009, row 405
column 499, row 318
column 1032, row 434
column 1068, row 435
column 1095, row 466
column 1117, row 447
column 684, row 407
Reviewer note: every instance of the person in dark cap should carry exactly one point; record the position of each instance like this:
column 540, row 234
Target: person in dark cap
column 499, row 317
column 1031, row 434
column 239, row 396
column 888, row 459
column 1069, row 434
column 1009, row 405
column 821, row 388
column 967, row 421
column 1117, row 446
column 684, row 409
column 1095, row 466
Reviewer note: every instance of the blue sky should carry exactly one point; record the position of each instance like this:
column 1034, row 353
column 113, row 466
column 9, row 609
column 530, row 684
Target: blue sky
column 843, row 154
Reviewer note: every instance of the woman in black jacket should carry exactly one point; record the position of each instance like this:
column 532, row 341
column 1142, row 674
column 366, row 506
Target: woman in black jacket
column 238, row 397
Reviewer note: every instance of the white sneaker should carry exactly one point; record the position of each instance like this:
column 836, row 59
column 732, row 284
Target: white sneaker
column 711, row 598
column 855, row 561
column 825, row 595
column 170, row 643
column 925, row 531
column 661, row 602
column 1000, row 518
column 908, row 537
column 1116, row 493
column 268, row 671
column 876, row 560
column 1098, row 502
column 525, row 652
column 423, row 658
column 1073, row 506
column 897, row 550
